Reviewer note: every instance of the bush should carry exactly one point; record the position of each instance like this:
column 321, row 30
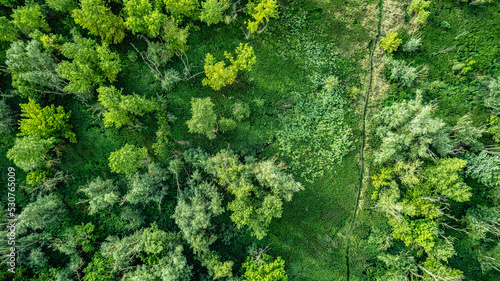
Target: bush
column 390, row 42
column 412, row 45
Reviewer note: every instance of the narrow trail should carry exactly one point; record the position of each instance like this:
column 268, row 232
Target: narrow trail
column 363, row 131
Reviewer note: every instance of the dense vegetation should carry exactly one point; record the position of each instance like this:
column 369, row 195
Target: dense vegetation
column 250, row 140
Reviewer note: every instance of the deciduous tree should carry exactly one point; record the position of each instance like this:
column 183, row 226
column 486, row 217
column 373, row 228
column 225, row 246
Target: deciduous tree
column 128, row 159
column 31, row 153
column 204, row 119
column 91, row 64
column 29, row 19
column 95, row 16
column 45, row 123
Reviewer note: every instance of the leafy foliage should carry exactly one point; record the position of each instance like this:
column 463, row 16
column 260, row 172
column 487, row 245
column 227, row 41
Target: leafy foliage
column 29, row 19
column 127, row 159
column 212, row 11
column 181, row 9
column 33, row 70
column 101, row 193
column 45, row 123
column 265, row 269
column 91, row 64
column 31, row 153
column 100, row 21
column 121, row 110
column 62, row 5
column 204, row 119
column 142, row 18
column 218, row 75
column 261, row 13
column 390, row 42
column 316, row 127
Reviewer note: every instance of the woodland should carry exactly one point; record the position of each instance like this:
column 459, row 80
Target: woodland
column 258, row 140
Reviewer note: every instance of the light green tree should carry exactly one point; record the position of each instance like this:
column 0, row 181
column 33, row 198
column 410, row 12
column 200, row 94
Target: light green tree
column 101, row 193
column 218, row 75
column 212, row 11
column 204, row 119
column 141, row 18
column 100, row 21
column 31, row 153
column 45, row 211
column 62, row 5
column 120, row 109
column 91, row 64
column 180, row 9
column 29, row 19
column 261, row 13
column 8, row 30
column 33, row 70
column 128, row 159
column 148, row 187
column 264, row 268
column 417, row 8
column 44, row 123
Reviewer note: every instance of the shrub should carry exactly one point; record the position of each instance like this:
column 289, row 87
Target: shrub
column 390, row 42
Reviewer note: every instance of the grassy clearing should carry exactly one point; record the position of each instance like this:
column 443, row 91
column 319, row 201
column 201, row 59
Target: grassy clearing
column 308, row 235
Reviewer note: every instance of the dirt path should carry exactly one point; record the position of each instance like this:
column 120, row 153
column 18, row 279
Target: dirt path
column 363, row 128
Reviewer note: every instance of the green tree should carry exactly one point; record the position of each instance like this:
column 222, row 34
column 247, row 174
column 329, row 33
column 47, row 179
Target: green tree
column 100, row 21
column 485, row 168
column 62, row 5
column 401, row 72
column 91, row 64
column 98, row 269
column 7, row 118
column 33, row 70
column 212, row 11
column 264, row 269
column 412, row 45
column 101, row 193
column 254, row 206
column 481, row 221
column 121, row 110
column 218, row 75
column 180, row 9
column 417, row 8
column 128, row 159
column 121, row 251
column 408, row 130
column 261, row 13
column 31, row 153
column 8, row 30
column 44, row 123
column 148, row 187
column 390, row 42
column 141, row 18
column 44, row 212
column 29, row 19
column 204, row 119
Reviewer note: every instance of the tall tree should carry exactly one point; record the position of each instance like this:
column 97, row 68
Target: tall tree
column 101, row 193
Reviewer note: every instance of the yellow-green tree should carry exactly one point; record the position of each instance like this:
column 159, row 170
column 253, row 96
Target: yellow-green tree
column 220, row 75
column 45, row 123
column 141, row 18
column 261, row 13
column 29, row 19
column 390, row 42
